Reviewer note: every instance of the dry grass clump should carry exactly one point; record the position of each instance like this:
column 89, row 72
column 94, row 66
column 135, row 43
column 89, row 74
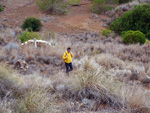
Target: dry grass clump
column 9, row 83
column 31, row 93
column 89, row 84
column 135, row 53
column 108, row 61
column 37, row 101
column 9, row 35
column 137, row 98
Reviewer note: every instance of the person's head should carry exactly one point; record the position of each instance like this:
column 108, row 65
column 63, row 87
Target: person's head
column 68, row 49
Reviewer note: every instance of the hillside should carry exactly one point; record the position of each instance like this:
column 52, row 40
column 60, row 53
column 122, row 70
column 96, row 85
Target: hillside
column 109, row 76
column 79, row 19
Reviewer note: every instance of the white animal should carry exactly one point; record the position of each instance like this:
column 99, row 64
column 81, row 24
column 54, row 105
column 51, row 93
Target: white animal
column 37, row 43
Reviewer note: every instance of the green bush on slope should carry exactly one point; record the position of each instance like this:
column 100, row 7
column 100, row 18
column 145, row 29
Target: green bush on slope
column 131, row 37
column 136, row 19
column 32, row 24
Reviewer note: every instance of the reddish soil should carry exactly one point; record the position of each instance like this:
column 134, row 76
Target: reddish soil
column 79, row 18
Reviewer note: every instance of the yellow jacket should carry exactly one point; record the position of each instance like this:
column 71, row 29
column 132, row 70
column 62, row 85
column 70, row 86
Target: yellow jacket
column 67, row 57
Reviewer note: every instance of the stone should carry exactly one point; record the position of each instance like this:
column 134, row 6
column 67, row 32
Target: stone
column 145, row 81
column 95, row 15
column 45, row 19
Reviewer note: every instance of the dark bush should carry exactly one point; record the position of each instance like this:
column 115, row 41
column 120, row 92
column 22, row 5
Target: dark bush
column 1, row 8
column 32, row 24
column 133, row 37
column 148, row 36
column 117, row 1
column 123, row 1
column 136, row 19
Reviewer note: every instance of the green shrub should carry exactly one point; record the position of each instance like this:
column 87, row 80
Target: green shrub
column 74, row 2
column 136, row 19
column 133, row 37
column 1, row 9
column 32, row 24
column 106, row 32
column 53, row 6
column 26, row 35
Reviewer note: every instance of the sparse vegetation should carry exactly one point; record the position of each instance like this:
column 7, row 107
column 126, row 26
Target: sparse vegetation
column 136, row 19
column 133, row 37
column 32, row 24
column 98, row 6
column 74, row 2
column 106, row 32
column 53, row 6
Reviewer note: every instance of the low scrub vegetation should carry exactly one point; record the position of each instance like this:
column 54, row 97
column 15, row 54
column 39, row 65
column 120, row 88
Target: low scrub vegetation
column 32, row 24
column 53, row 6
column 136, row 19
column 106, row 73
column 99, row 6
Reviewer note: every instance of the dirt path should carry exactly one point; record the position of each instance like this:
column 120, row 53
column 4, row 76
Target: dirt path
column 79, row 19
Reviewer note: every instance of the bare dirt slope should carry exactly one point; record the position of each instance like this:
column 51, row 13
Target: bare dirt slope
column 79, row 19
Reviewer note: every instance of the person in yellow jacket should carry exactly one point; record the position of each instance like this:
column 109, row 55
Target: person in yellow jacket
column 67, row 57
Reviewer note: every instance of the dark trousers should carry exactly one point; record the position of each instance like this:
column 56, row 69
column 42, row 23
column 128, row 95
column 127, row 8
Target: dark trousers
column 69, row 67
